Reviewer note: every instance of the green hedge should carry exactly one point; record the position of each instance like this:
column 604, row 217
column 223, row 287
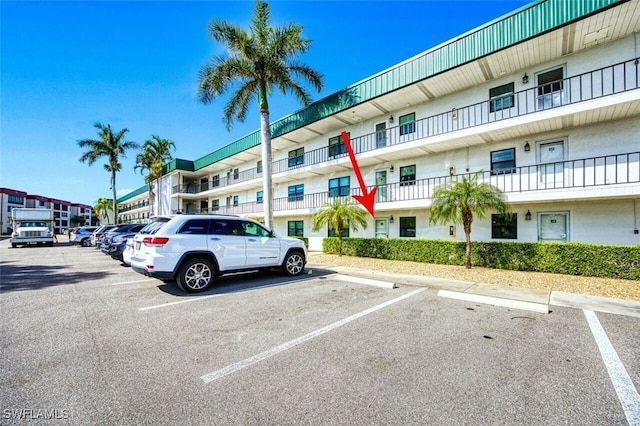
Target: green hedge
column 561, row 258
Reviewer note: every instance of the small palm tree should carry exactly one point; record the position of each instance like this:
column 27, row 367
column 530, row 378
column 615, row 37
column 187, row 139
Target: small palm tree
column 258, row 62
column 102, row 207
column 154, row 154
column 458, row 202
column 112, row 146
column 338, row 214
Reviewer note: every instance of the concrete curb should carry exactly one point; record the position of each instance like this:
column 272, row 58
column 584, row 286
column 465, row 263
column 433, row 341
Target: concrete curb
column 509, row 297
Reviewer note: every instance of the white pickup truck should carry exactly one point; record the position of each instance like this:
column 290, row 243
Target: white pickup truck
column 32, row 226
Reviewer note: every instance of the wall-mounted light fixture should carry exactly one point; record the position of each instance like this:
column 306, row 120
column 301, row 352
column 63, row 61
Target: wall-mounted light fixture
column 391, row 168
column 452, row 231
column 527, row 215
column 525, row 78
column 391, row 119
column 391, row 219
column 527, row 147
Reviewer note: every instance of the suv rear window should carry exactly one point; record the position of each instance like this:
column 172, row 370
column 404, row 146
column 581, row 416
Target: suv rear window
column 153, row 227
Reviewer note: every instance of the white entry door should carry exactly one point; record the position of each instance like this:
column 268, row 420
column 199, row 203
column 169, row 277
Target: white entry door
column 382, row 228
column 381, row 183
column 554, row 227
column 552, row 164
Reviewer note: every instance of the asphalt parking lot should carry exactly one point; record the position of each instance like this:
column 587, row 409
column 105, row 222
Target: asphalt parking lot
column 87, row 341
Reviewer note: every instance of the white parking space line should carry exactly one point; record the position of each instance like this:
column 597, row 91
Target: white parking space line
column 208, row 378
column 148, row 280
column 627, row 393
column 179, row 302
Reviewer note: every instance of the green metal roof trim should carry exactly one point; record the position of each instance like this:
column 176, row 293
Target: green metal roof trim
column 178, row 163
column 522, row 24
column 141, row 190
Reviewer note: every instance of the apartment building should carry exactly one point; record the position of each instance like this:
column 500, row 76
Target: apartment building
column 63, row 211
column 543, row 103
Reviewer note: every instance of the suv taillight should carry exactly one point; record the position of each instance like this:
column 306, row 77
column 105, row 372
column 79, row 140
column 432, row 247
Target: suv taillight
column 155, row 241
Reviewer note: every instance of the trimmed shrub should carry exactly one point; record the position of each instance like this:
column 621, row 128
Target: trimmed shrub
column 606, row 261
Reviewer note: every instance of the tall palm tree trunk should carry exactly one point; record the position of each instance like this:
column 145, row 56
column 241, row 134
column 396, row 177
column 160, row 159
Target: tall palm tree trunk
column 115, row 200
column 265, row 135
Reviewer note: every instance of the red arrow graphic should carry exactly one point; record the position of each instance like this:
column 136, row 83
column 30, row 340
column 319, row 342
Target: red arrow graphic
column 369, row 198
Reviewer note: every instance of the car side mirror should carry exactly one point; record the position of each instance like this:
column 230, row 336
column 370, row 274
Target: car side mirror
column 272, row 234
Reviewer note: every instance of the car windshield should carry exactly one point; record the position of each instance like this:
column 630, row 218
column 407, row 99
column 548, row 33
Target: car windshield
column 33, row 224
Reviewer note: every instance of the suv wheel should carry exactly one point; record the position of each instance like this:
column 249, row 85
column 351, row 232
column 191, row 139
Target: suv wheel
column 86, row 242
column 293, row 264
column 195, row 275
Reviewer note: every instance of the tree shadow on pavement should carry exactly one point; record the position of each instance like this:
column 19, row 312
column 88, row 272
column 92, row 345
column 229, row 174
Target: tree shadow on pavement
column 36, row 277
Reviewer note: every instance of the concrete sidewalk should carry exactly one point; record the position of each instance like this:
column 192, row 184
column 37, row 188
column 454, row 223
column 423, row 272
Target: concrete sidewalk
column 509, row 297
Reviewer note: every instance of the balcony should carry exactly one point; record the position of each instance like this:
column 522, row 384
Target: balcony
column 136, row 206
column 599, row 83
column 583, row 174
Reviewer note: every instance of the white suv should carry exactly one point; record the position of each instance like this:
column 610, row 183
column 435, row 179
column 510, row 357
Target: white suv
column 195, row 249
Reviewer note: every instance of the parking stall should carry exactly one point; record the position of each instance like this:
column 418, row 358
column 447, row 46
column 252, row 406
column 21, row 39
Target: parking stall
column 87, row 339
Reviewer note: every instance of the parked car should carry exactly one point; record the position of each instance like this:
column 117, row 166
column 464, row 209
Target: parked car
column 82, row 235
column 113, row 242
column 196, row 249
column 117, row 243
column 126, row 254
column 99, row 232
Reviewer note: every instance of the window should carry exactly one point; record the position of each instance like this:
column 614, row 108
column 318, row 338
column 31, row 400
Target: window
column 407, row 226
column 550, row 82
column 503, row 161
column 296, row 157
column 235, row 200
column 345, row 230
column 229, row 201
column 259, row 167
column 407, row 123
column 501, row 97
column 236, row 174
column 215, row 181
column 408, row 175
column 550, row 85
column 296, row 192
column 339, row 187
column 259, row 199
column 337, row 146
column 224, row 227
column 504, row 226
column 15, row 199
column 215, row 205
column 195, row 226
column 252, row 229
column 296, row 228
column 204, row 206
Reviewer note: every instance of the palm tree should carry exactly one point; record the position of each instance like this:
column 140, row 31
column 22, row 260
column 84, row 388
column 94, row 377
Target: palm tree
column 258, row 62
column 338, row 214
column 112, row 146
column 102, row 208
column 458, row 202
column 155, row 153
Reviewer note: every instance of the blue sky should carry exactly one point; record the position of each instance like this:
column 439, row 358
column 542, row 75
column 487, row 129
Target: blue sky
column 66, row 65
